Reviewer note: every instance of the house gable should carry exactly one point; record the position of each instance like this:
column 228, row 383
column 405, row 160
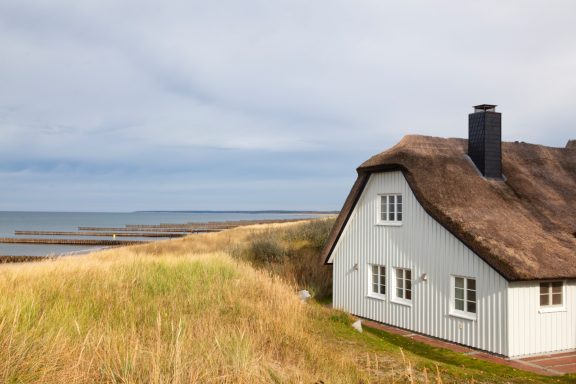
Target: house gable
column 423, row 246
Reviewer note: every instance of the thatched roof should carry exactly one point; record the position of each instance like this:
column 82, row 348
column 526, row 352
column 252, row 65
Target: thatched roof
column 524, row 227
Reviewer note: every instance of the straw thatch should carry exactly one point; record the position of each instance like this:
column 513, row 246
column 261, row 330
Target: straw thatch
column 523, row 226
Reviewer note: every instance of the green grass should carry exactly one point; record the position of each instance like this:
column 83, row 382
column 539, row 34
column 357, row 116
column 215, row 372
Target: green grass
column 459, row 365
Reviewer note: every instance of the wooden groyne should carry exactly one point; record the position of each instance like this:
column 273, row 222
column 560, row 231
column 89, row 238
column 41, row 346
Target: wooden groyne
column 95, row 233
column 14, row 240
column 22, row 259
column 183, row 226
column 141, row 231
column 211, row 226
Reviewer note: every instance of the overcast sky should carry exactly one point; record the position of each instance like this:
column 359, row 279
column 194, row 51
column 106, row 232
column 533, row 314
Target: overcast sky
column 110, row 105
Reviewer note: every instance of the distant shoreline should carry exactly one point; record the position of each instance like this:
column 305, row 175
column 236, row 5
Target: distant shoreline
column 279, row 211
column 287, row 212
column 14, row 247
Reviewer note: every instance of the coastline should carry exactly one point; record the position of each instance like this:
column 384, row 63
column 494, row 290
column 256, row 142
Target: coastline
column 189, row 228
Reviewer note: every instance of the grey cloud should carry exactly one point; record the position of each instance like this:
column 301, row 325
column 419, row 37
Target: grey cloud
column 113, row 84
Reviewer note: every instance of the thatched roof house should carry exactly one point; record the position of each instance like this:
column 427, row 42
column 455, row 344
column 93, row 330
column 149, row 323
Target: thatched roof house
column 471, row 241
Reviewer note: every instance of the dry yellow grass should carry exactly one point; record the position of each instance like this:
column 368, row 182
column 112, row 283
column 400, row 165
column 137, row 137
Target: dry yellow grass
column 169, row 312
column 185, row 311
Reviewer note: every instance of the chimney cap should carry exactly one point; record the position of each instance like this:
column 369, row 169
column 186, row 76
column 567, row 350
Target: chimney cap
column 485, row 108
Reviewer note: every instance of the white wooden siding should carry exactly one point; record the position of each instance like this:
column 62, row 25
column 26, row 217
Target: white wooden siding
column 424, row 246
column 532, row 332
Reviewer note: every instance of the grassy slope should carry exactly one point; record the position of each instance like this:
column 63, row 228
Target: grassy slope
column 186, row 311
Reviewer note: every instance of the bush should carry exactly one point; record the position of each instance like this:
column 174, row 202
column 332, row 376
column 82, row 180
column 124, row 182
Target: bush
column 314, row 232
column 293, row 253
column 266, row 248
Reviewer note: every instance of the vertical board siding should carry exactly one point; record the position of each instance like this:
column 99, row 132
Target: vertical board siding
column 532, row 332
column 424, row 246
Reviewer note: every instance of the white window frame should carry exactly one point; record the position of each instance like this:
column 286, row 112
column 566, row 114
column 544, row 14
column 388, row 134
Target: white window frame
column 394, row 286
column 399, row 211
column 465, row 314
column 371, row 293
column 552, row 307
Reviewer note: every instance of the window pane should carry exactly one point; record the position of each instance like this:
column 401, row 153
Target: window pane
column 408, row 284
column 399, row 293
column 459, row 282
column 557, row 287
column 383, row 289
column 399, row 216
column 543, row 288
column 459, row 305
column 408, row 295
column 399, row 273
column 471, row 284
column 557, row 299
column 459, row 294
column 408, row 274
column 471, row 295
column 471, row 307
column 399, row 283
column 399, row 199
column 383, row 271
column 544, row 300
column 375, row 288
column 375, row 269
column 391, row 199
column 383, row 208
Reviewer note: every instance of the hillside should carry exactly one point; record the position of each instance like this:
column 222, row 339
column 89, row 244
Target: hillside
column 206, row 308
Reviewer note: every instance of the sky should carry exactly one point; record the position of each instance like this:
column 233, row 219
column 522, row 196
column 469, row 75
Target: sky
column 110, row 105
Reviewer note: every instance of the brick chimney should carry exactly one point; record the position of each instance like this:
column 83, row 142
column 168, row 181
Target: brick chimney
column 485, row 140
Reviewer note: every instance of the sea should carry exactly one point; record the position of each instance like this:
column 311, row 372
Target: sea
column 70, row 221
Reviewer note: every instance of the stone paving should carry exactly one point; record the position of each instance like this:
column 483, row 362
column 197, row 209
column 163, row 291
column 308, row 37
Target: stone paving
column 549, row 365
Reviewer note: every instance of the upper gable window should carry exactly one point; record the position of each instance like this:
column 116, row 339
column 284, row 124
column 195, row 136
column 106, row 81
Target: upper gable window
column 391, row 209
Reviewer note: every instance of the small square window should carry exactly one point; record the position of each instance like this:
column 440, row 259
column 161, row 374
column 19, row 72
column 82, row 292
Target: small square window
column 551, row 294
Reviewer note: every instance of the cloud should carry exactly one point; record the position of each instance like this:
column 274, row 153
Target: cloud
column 152, row 90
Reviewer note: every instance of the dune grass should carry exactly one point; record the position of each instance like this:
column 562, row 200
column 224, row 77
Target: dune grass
column 197, row 310
column 124, row 317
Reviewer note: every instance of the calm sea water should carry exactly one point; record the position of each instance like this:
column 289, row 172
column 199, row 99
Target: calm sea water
column 70, row 221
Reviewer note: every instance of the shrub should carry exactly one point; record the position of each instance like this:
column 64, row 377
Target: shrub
column 314, row 232
column 292, row 252
column 266, row 248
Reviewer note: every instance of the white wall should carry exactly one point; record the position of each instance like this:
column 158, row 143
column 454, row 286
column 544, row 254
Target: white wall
column 532, row 331
column 424, row 246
